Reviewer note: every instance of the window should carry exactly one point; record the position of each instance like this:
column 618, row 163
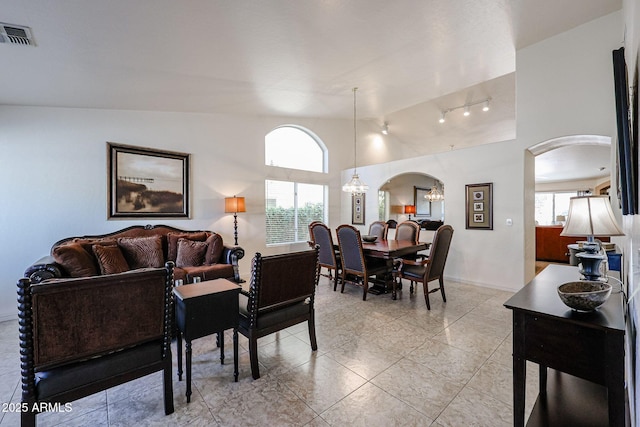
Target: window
column 295, row 148
column 290, row 208
column 550, row 206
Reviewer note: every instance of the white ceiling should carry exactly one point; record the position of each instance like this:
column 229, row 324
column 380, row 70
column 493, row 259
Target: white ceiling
column 409, row 58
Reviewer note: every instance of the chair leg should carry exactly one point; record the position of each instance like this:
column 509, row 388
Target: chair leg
column 444, row 297
column 426, row 294
column 312, row 332
column 253, row 356
column 335, row 281
column 344, row 279
column 28, row 418
column 167, row 382
column 365, row 286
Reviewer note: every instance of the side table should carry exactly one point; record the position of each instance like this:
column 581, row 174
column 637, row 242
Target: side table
column 587, row 346
column 203, row 309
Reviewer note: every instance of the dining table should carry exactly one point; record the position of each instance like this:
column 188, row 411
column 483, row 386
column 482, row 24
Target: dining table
column 390, row 250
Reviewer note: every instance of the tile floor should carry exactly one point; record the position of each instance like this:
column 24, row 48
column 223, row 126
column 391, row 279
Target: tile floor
column 379, row 363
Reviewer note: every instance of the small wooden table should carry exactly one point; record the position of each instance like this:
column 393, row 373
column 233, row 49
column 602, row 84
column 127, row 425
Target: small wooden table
column 203, row 309
column 589, row 346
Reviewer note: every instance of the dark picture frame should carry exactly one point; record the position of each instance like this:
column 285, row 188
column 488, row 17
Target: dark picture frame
column 357, row 209
column 147, row 183
column 479, row 206
column 422, row 204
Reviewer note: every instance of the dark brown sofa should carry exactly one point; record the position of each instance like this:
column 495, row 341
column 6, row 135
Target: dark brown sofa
column 195, row 253
column 117, row 328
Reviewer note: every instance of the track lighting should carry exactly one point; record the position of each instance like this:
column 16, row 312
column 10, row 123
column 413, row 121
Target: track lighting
column 466, row 107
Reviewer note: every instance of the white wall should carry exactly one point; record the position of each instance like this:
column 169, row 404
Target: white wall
column 54, row 178
column 489, row 258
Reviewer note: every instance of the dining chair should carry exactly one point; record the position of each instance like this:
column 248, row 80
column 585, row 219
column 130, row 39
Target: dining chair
column 356, row 269
column 328, row 258
column 432, row 268
column 378, row 229
column 408, row 230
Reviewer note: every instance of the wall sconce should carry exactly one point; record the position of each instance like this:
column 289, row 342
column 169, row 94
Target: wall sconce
column 234, row 205
column 466, row 107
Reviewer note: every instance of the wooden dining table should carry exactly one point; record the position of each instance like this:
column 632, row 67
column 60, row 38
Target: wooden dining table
column 390, row 250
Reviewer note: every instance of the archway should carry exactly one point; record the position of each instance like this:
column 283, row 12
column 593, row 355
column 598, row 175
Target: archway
column 406, row 190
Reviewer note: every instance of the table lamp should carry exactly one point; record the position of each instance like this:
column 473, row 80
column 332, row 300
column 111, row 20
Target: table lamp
column 234, row 205
column 591, row 216
column 409, row 209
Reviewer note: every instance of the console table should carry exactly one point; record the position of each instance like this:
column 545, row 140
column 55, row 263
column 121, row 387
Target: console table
column 203, row 309
column 589, row 346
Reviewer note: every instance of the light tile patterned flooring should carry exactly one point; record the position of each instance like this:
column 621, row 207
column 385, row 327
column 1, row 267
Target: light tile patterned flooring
column 379, row 363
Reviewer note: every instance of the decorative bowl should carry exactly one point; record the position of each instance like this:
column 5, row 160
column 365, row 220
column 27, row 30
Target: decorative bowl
column 369, row 238
column 584, row 295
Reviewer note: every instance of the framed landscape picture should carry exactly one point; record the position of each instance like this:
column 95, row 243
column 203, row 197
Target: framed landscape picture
column 147, row 183
column 357, row 209
column 479, row 206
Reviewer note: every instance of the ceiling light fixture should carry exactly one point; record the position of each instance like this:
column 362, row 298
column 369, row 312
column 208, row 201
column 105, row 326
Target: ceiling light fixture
column 435, row 195
column 466, row 107
column 355, row 186
column 385, row 128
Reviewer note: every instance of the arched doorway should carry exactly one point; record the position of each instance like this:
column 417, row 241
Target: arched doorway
column 408, row 190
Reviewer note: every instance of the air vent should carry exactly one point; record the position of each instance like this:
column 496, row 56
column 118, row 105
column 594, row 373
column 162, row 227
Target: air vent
column 16, row 34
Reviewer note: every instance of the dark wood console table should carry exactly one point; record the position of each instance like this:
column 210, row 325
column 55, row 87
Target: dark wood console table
column 589, row 346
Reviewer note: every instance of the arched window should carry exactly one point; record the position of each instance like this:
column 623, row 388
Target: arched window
column 294, row 147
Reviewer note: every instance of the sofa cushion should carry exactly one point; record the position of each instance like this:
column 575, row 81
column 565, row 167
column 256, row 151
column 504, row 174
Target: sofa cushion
column 142, row 252
column 208, row 272
column 75, row 375
column 215, row 246
column 172, row 242
column 75, row 260
column 110, row 259
column 190, row 253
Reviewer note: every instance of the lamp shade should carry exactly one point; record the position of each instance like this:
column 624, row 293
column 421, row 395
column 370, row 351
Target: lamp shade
column 234, row 204
column 409, row 209
column 591, row 216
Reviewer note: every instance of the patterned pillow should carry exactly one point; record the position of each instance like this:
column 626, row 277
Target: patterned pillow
column 190, row 253
column 142, row 252
column 214, row 249
column 110, row 259
column 75, row 260
column 172, row 242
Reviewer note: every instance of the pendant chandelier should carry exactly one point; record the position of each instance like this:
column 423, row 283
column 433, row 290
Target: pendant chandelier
column 355, row 186
column 434, row 195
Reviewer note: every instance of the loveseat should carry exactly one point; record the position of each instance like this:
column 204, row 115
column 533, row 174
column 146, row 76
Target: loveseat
column 195, row 253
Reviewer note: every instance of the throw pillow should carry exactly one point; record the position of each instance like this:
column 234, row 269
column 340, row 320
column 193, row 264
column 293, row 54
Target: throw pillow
column 172, row 242
column 142, row 252
column 190, row 253
column 75, row 260
column 214, row 249
column 110, row 259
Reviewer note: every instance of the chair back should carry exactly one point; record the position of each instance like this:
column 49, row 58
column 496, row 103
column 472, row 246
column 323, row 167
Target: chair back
column 351, row 249
column 378, row 229
column 392, row 223
column 408, row 230
column 321, row 235
column 311, row 238
column 283, row 279
column 439, row 251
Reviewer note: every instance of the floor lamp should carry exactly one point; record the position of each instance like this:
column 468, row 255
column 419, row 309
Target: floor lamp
column 234, row 205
